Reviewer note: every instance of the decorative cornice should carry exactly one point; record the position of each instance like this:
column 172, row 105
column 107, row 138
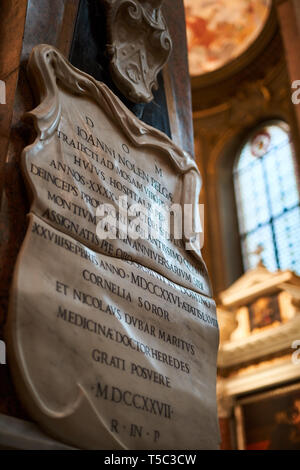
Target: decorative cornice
column 280, row 372
column 258, row 281
column 260, row 344
column 258, row 94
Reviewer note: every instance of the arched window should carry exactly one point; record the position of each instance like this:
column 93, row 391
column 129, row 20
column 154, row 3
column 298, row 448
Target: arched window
column 267, row 196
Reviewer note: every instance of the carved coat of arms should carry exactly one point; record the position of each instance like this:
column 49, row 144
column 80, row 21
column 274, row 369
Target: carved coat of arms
column 139, row 46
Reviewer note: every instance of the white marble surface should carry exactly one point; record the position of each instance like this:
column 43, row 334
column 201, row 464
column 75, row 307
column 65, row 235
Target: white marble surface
column 110, row 346
column 94, row 365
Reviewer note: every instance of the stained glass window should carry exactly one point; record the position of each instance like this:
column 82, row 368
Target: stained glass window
column 267, row 196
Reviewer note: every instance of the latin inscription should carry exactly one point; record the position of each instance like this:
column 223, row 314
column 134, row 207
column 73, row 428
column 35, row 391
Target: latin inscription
column 115, row 323
column 90, row 171
column 129, row 316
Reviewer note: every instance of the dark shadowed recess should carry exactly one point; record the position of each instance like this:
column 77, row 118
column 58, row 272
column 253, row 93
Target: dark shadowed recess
column 88, row 53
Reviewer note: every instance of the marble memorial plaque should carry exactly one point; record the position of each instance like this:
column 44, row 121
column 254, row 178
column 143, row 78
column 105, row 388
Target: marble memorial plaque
column 113, row 340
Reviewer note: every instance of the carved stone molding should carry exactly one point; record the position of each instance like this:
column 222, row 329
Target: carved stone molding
column 256, row 282
column 139, row 46
column 280, row 372
column 260, row 344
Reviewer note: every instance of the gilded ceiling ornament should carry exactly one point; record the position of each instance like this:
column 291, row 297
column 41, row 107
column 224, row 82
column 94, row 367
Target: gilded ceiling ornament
column 139, row 46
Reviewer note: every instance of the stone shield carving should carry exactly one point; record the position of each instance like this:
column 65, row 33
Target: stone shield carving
column 139, row 46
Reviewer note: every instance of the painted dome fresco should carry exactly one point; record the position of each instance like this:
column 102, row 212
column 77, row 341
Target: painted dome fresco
column 218, row 31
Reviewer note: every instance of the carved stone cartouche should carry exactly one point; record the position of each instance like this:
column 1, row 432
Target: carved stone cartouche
column 139, row 46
